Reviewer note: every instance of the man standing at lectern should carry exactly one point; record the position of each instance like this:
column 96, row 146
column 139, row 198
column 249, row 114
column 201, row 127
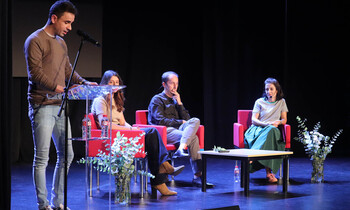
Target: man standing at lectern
column 48, row 69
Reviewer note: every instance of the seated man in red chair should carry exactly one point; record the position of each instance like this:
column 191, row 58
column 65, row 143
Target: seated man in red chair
column 156, row 151
column 167, row 109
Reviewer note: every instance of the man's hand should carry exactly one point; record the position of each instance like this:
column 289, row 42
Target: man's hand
column 177, row 98
column 59, row 89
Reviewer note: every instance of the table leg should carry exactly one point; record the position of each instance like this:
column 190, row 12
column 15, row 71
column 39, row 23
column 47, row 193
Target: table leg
column 285, row 176
column 242, row 173
column 204, row 173
column 246, row 177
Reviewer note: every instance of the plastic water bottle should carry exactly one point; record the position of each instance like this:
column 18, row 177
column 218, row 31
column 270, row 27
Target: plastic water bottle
column 86, row 128
column 237, row 173
column 104, row 126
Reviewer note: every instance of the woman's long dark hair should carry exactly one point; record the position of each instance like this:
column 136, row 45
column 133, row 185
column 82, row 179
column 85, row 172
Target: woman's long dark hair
column 118, row 96
column 273, row 81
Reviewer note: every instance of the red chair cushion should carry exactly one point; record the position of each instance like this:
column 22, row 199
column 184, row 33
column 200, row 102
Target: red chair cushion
column 94, row 146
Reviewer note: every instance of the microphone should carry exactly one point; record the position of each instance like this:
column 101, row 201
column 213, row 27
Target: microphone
column 88, row 38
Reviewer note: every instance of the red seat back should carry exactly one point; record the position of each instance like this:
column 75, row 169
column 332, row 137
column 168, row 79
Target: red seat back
column 99, row 145
column 141, row 117
column 245, row 118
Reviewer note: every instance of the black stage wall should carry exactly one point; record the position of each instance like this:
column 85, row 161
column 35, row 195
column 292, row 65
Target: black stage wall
column 223, row 52
column 5, row 105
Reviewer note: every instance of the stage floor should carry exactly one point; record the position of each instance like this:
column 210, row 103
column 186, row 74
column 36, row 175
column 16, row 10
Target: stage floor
column 302, row 194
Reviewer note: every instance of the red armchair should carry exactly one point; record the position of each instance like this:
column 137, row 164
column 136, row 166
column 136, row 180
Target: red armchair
column 244, row 120
column 141, row 121
column 94, row 146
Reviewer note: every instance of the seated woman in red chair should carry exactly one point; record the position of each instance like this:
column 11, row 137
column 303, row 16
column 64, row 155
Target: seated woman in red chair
column 269, row 112
column 156, row 152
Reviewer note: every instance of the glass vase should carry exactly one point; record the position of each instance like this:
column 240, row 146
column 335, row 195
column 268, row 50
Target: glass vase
column 317, row 175
column 122, row 189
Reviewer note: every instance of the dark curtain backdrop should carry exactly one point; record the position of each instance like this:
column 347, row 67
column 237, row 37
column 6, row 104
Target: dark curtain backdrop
column 223, row 51
column 5, row 105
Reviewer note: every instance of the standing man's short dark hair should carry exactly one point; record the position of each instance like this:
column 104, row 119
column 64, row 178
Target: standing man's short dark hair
column 60, row 7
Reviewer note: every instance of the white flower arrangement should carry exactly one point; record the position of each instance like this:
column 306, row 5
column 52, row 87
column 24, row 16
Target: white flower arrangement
column 317, row 145
column 119, row 163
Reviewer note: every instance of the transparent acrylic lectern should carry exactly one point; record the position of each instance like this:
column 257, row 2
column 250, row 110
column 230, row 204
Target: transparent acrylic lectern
column 87, row 92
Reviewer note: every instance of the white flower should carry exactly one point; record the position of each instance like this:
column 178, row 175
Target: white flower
column 115, row 146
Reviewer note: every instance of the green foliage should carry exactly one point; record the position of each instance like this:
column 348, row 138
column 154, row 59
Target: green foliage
column 218, row 149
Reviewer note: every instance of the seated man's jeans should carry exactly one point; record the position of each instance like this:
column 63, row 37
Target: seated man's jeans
column 46, row 124
column 187, row 134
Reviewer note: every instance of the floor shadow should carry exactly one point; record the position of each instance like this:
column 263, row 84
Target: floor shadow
column 274, row 195
column 336, row 182
column 225, row 208
column 180, row 183
column 263, row 182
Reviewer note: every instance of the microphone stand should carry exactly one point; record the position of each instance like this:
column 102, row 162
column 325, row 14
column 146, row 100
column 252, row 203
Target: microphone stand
column 64, row 105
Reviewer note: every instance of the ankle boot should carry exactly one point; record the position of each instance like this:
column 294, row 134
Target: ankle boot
column 163, row 189
column 166, row 168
